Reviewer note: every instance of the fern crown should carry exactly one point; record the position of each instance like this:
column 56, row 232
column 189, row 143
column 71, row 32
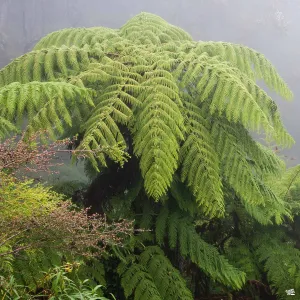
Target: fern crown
column 188, row 106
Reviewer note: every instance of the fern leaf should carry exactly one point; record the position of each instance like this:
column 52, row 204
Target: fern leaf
column 49, row 103
column 6, row 128
column 47, row 64
column 182, row 231
column 243, row 58
column 200, row 163
column 152, row 276
column 281, row 261
column 157, row 132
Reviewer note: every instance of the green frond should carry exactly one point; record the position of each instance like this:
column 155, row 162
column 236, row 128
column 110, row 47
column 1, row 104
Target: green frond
column 94, row 271
column 182, row 231
column 148, row 28
column 237, row 170
column 153, row 275
column 241, row 255
column 226, row 94
column 184, row 197
column 287, row 188
column 75, row 37
column 30, row 266
column 158, row 129
column 102, row 133
column 249, row 61
column 161, row 225
column 137, row 280
column 200, row 162
column 6, row 128
column 47, row 64
column 168, row 280
column 281, row 262
column 263, row 159
column 272, row 211
column 45, row 105
column 270, row 109
column 287, row 182
column 101, row 128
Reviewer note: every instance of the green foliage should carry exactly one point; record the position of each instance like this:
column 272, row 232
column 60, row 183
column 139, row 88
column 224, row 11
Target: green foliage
column 47, row 272
column 184, row 103
column 29, row 268
column 281, row 261
column 287, row 187
column 240, row 254
column 152, row 276
column 22, row 199
column 181, row 233
column 186, row 111
column 47, row 105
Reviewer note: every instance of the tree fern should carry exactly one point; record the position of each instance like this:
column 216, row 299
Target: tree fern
column 185, row 110
column 145, row 91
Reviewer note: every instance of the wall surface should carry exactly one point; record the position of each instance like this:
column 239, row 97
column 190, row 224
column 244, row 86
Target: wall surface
column 269, row 26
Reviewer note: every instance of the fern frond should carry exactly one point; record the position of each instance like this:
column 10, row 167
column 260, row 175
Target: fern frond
column 168, row 280
column 287, row 188
column 225, row 92
column 94, row 271
column 104, row 133
column 101, row 129
column 272, row 211
column 45, row 105
column 30, row 266
column 241, row 255
column 47, row 64
column 184, row 197
column 289, row 179
column 181, row 231
column 6, row 128
column 153, row 274
column 147, row 28
column 238, row 171
column 252, row 63
column 75, row 37
column 137, row 280
column 281, row 262
column 158, row 129
column 200, row 163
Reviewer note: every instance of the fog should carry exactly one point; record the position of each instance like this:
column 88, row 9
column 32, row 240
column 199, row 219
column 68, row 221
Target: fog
column 269, row 26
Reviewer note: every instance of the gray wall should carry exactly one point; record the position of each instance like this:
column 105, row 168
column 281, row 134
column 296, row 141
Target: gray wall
column 269, row 26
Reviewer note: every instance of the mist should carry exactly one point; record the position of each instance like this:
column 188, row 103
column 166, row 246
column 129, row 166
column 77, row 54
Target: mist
column 269, row 26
